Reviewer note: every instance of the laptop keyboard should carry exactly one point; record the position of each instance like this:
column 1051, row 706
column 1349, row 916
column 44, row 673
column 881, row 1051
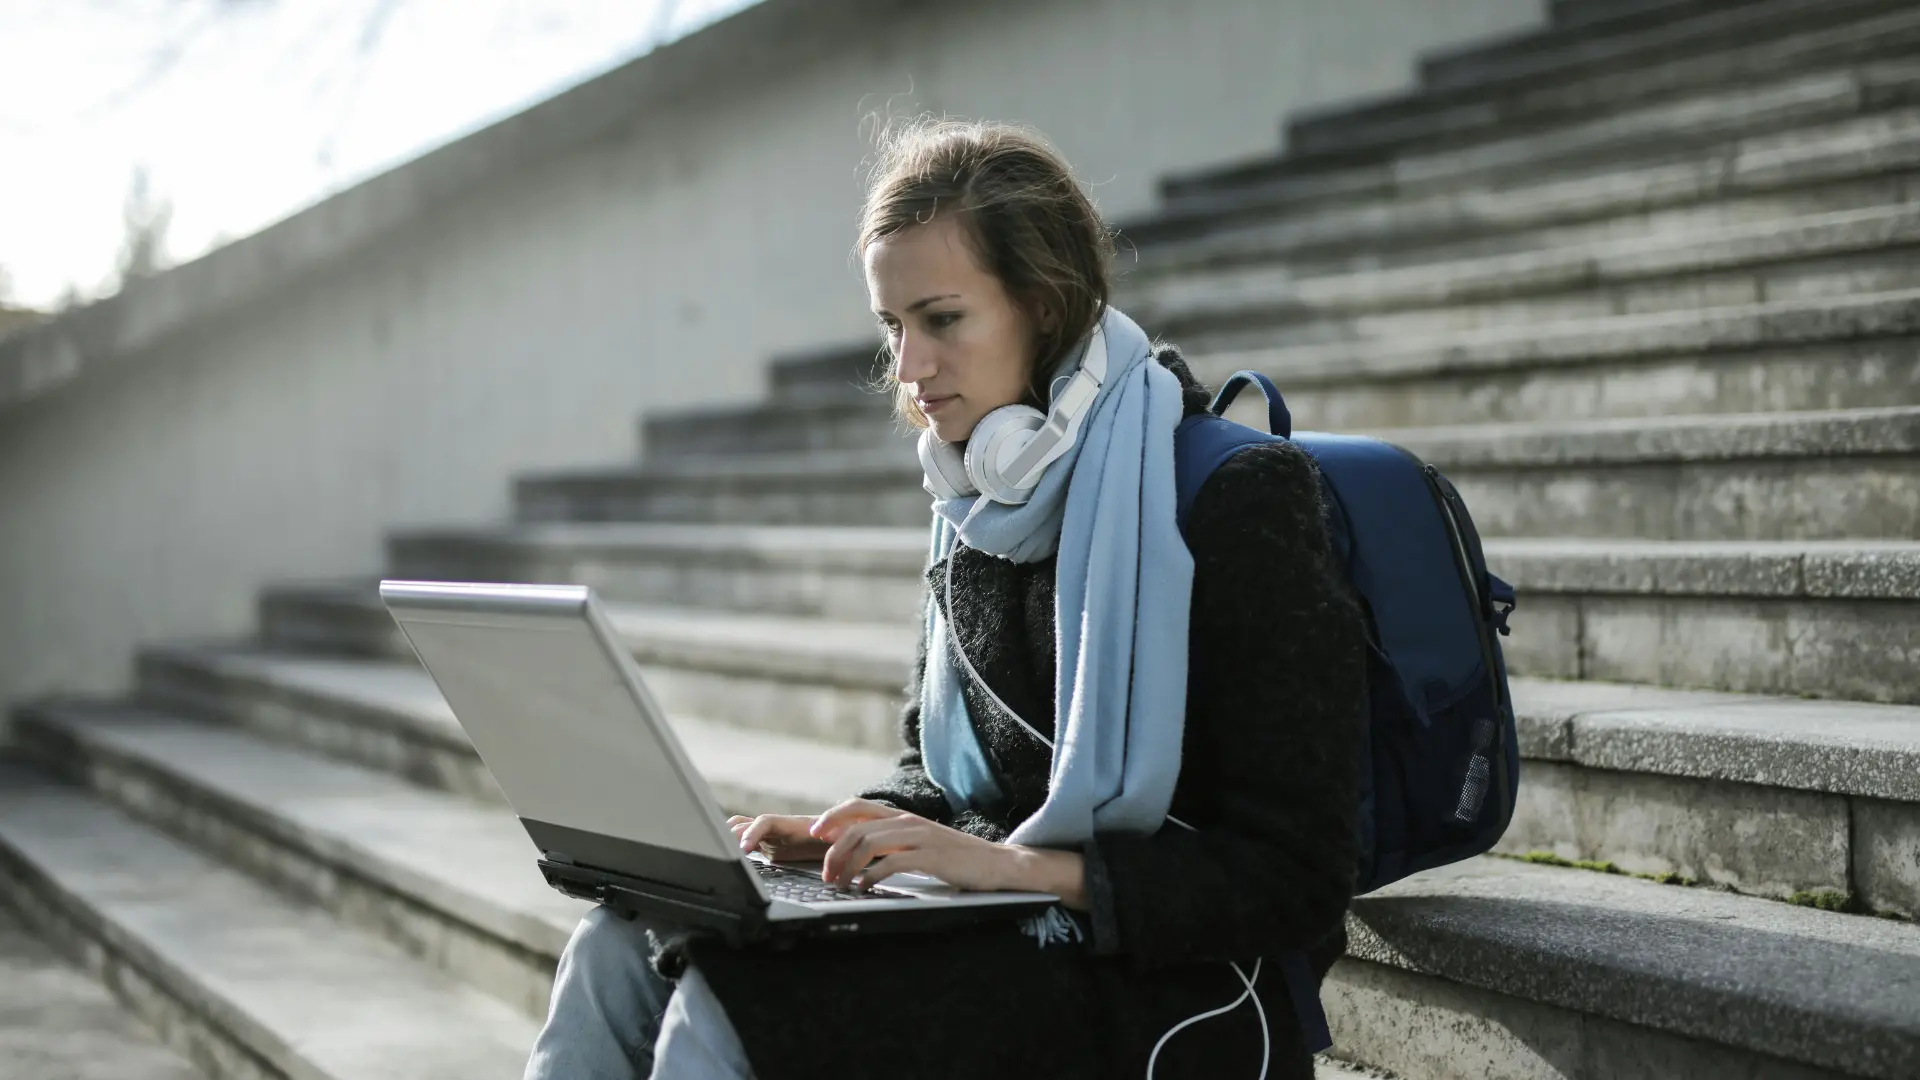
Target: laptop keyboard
column 804, row 888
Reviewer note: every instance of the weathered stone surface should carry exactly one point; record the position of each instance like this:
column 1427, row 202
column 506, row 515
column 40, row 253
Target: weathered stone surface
column 1863, row 651
column 1844, row 747
column 1688, row 264
column 1814, row 498
column 1547, row 708
column 1851, row 433
column 1420, row 1025
column 1556, row 50
column 391, row 717
column 1886, row 855
column 1858, row 374
column 448, row 880
column 1863, row 571
column 1585, row 341
column 1875, row 570
column 1836, row 474
column 239, row 963
column 1758, row 840
column 646, row 561
column 1774, row 979
column 56, row 1022
column 1426, row 115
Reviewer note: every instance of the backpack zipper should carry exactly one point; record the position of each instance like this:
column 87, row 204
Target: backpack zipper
column 1497, row 751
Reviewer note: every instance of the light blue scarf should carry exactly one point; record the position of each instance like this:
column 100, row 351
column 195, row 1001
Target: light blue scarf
column 1122, row 585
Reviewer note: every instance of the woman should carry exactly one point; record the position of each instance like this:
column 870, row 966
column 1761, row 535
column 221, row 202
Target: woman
column 1215, row 684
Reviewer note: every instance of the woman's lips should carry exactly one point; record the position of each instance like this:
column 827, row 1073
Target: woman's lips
column 932, row 405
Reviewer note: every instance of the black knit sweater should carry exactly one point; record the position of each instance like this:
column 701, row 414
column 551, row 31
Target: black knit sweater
column 1269, row 779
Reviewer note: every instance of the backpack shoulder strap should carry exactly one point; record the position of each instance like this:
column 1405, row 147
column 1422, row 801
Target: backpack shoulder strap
column 1202, row 443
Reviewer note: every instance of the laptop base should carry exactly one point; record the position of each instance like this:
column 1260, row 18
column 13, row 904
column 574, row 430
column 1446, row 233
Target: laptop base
column 642, row 899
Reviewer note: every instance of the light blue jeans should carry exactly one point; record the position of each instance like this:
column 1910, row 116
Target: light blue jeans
column 612, row 1018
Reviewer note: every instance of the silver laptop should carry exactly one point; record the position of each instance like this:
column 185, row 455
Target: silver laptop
column 555, row 706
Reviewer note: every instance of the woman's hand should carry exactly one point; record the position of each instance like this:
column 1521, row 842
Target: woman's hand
column 790, row 836
column 868, row 850
column 777, row 836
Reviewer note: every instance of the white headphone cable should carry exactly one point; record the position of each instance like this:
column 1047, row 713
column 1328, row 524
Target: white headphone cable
column 1266, row 1035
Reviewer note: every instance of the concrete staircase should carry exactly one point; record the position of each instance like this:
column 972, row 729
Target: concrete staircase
column 1643, row 282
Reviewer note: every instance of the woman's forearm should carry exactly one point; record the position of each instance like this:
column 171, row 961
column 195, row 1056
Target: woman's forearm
column 1048, row 870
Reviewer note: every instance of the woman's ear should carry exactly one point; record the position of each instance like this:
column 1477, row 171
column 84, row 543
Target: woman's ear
column 1043, row 316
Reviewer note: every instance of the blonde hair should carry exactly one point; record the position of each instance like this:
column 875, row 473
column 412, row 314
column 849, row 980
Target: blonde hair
column 1022, row 212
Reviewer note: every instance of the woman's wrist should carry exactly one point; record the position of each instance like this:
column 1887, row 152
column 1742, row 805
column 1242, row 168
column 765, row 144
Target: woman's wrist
column 1050, row 870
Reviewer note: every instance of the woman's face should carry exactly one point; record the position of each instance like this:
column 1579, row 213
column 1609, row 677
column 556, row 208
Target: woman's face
column 961, row 345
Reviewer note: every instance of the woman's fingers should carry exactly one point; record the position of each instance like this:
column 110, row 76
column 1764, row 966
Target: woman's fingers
column 884, row 867
column 829, row 825
column 759, row 831
column 865, row 841
column 778, row 830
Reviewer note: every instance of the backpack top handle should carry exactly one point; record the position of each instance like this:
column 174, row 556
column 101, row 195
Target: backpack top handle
column 1279, row 420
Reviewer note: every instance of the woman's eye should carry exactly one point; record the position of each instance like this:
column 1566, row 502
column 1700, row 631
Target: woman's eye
column 944, row 320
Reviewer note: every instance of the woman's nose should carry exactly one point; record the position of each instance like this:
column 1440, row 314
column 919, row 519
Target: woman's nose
column 914, row 363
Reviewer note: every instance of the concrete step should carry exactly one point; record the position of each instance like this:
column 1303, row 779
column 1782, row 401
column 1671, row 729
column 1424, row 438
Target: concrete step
column 1882, row 145
column 1796, row 354
column 251, row 982
column 1359, row 133
column 844, row 487
column 57, row 1023
column 1771, row 38
column 1282, row 302
column 1884, row 270
column 449, row 880
column 827, row 375
column 1769, row 796
column 846, row 573
column 1816, row 618
column 1492, row 968
column 861, row 420
column 388, row 714
column 1569, row 13
column 1531, row 56
column 1768, row 476
column 1825, row 353
column 1643, row 133
column 1841, row 475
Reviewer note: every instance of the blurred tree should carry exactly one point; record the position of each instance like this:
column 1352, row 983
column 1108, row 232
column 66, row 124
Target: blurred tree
column 145, row 217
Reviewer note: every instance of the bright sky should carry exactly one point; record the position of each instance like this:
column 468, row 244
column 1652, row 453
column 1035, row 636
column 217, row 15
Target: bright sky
column 243, row 111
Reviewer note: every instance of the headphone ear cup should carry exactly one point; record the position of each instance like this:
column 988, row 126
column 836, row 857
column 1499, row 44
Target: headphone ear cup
column 1000, row 436
column 945, row 469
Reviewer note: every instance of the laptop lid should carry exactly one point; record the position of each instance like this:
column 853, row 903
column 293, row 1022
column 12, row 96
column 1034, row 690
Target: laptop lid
column 556, row 708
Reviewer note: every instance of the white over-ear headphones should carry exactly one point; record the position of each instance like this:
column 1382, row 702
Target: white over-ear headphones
column 1011, row 446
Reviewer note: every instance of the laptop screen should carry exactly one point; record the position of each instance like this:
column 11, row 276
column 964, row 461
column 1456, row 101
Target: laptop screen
column 558, row 713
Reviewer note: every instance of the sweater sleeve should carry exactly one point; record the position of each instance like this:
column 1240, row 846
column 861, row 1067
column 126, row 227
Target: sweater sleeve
column 1271, row 756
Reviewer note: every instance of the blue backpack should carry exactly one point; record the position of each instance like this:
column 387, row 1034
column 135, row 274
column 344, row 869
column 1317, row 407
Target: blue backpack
column 1442, row 765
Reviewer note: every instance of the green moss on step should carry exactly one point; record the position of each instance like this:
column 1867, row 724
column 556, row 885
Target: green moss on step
column 1823, row 899
column 1830, row 900
column 1548, row 858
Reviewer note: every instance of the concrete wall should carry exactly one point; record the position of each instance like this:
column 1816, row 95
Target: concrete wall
column 523, row 321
